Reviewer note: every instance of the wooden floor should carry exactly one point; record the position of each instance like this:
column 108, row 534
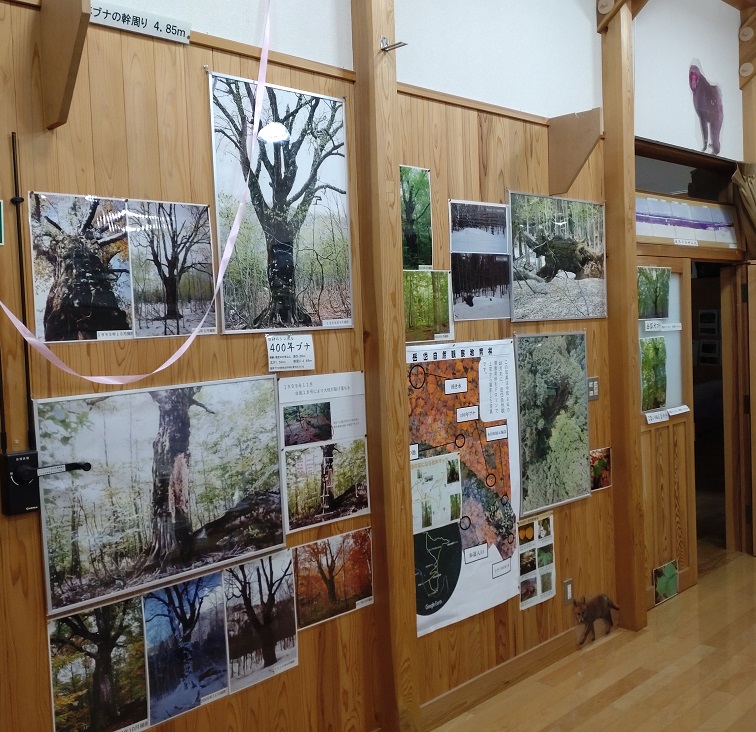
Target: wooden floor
column 692, row 668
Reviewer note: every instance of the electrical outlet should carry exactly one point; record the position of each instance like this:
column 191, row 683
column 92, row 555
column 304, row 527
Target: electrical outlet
column 567, row 587
column 593, row 388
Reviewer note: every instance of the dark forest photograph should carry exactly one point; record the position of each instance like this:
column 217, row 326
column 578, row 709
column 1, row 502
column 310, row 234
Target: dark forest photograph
column 427, row 306
column 417, row 229
column 480, row 286
column 333, row 576
column 305, row 423
column 326, row 482
column 181, row 478
column 172, row 267
column 186, row 646
column 98, row 669
column 261, row 619
column 291, row 267
column 80, row 267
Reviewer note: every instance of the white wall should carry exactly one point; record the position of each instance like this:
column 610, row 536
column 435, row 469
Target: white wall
column 669, row 36
column 319, row 30
column 537, row 56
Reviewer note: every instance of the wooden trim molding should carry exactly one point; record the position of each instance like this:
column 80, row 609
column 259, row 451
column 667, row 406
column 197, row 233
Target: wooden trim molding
column 701, row 254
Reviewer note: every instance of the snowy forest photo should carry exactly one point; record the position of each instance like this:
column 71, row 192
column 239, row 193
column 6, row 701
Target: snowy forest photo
column 186, row 645
column 333, row 576
column 98, row 669
column 417, row 229
column 426, row 305
column 181, row 478
column 291, row 267
column 557, row 258
column 326, row 482
column 261, row 619
column 172, row 267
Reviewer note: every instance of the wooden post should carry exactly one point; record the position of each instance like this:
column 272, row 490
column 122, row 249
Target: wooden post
column 385, row 368
column 622, row 295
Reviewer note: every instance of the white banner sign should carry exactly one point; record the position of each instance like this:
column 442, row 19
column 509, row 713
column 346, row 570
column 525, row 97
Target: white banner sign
column 139, row 21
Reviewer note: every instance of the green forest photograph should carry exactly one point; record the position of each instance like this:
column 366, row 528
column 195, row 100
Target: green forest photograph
column 653, row 292
column 326, row 482
column 653, row 355
column 417, row 230
column 182, row 478
column 427, row 306
column 553, row 396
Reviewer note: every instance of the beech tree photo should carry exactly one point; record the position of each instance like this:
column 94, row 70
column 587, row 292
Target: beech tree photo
column 181, row 478
column 98, row 669
column 291, row 267
column 417, row 232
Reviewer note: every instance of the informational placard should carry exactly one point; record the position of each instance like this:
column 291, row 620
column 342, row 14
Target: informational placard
column 290, row 352
column 660, row 326
column 465, row 473
column 537, row 566
column 661, row 415
column 139, row 21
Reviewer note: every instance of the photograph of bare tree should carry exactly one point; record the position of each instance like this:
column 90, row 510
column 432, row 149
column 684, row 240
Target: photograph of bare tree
column 326, row 483
column 557, row 258
column 80, row 267
column 260, row 619
column 292, row 263
column 172, row 267
column 182, row 477
column 333, row 576
column 98, row 670
column 186, row 646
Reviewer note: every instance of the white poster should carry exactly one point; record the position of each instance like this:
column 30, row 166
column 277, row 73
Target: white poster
column 465, row 472
column 537, row 566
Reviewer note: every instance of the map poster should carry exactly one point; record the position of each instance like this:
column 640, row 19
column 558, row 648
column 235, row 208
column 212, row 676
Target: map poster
column 465, row 478
column 537, row 567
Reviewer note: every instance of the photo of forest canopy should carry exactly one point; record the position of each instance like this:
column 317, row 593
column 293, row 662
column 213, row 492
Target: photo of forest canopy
column 557, row 258
column 80, row 267
column 480, row 286
column 98, row 669
column 417, row 230
column 326, row 483
column 291, row 267
column 333, row 576
column 653, row 292
column 186, row 645
column 172, row 267
column 182, row 478
column 553, row 393
column 261, row 620
column 653, row 354
column 427, row 311
column 305, row 423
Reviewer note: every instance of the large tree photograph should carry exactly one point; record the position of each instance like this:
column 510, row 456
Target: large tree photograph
column 417, row 229
column 98, row 670
column 553, row 396
column 172, row 267
column 291, row 267
column 80, row 267
column 653, row 356
column 182, row 478
column 186, row 646
column 333, row 576
column 427, row 306
column 653, row 292
column 260, row 619
column 326, row 483
column 558, row 248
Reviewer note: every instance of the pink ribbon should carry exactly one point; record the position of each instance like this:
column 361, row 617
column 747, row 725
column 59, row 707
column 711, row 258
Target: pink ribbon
column 40, row 347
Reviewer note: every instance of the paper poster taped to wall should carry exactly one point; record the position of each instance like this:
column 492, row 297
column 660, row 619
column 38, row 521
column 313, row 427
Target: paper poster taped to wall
column 182, row 477
column 324, row 448
column 464, row 454
column 291, row 268
column 417, row 226
column 537, row 565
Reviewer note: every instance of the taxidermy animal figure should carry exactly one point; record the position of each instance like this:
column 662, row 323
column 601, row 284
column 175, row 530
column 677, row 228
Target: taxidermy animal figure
column 707, row 101
column 588, row 612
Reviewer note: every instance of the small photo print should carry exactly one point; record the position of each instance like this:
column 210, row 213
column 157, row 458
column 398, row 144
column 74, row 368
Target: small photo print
column 708, row 322
column 427, row 306
column 306, row 423
column 653, row 352
column 653, row 292
column 528, row 590
column 545, row 555
column 544, row 527
column 665, row 580
column 708, row 353
column 436, row 491
column 480, row 286
column 417, row 229
column 527, row 562
column 478, row 227
column 526, row 532
column 547, row 583
column 601, row 468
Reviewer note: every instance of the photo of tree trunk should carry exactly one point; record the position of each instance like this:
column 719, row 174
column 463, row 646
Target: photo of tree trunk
column 326, row 483
column 98, row 668
column 305, row 423
column 80, row 267
column 291, row 267
column 417, row 229
column 186, row 646
column 182, row 478
column 261, row 619
column 172, row 267
column 558, row 248
column 653, row 292
column 553, row 396
column 653, row 353
column 480, row 286
column 333, row 576
column 427, row 306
